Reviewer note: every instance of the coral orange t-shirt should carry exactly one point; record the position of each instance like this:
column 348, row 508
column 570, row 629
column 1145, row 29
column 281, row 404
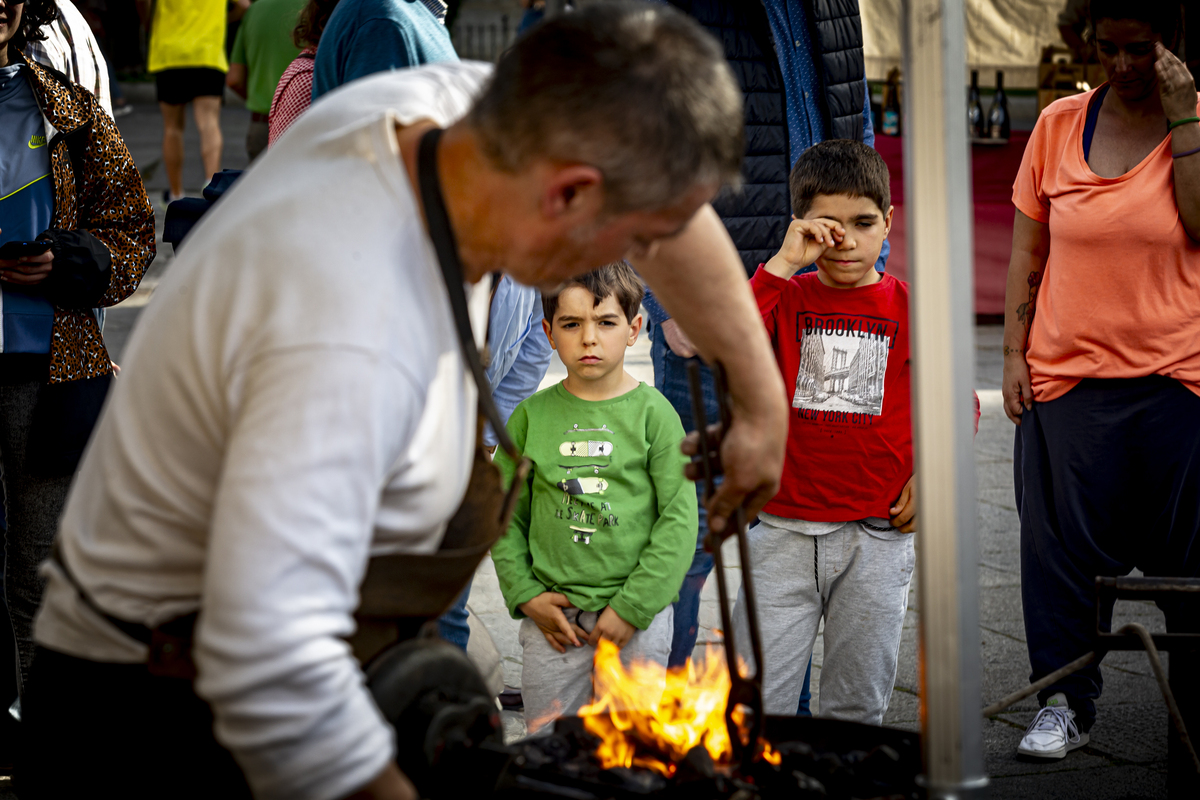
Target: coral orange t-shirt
column 1120, row 296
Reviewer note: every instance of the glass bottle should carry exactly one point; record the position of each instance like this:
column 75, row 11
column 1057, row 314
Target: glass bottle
column 999, row 122
column 976, row 129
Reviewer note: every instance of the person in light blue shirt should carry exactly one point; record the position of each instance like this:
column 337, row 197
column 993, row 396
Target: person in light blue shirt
column 519, row 349
column 363, row 37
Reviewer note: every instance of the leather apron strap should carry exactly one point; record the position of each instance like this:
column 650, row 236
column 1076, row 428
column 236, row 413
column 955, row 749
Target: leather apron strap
column 444, row 244
column 401, row 592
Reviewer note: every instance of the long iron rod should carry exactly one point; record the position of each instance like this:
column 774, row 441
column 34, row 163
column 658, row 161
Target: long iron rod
column 1168, row 696
column 1037, row 686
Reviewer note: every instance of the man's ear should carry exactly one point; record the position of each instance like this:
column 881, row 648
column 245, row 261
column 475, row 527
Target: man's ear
column 887, row 221
column 549, row 335
column 572, row 189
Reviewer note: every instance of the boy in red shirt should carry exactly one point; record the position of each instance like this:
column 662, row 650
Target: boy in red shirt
column 836, row 541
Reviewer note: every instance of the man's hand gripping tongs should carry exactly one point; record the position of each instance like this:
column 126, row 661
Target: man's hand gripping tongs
column 745, row 691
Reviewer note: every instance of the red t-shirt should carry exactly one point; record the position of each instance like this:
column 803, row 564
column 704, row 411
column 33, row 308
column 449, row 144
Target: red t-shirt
column 844, row 356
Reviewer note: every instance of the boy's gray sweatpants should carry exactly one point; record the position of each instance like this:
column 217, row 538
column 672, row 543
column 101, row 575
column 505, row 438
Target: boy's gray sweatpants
column 555, row 684
column 859, row 583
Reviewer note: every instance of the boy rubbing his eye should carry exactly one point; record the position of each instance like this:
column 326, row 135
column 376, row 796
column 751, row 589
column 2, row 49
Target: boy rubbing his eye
column 836, row 541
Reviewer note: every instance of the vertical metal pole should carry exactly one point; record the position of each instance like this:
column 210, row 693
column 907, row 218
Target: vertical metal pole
column 938, row 207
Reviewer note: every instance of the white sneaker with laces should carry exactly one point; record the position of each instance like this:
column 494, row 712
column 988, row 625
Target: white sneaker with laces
column 1053, row 732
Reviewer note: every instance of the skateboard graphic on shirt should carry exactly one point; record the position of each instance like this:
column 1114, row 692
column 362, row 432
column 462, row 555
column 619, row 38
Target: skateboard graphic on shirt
column 582, row 534
column 587, row 448
column 583, row 485
column 579, row 506
column 576, row 429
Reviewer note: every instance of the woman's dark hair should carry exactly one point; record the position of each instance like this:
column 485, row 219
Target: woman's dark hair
column 36, row 14
column 1165, row 17
column 313, row 19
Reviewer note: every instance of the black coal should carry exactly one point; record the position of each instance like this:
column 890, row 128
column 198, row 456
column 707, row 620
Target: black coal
column 819, row 759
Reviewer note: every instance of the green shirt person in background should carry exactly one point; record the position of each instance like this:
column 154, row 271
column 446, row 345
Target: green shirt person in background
column 605, row 529
column 262, row 50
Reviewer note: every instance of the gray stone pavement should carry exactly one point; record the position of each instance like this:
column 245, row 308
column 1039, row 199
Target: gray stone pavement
column 1126, row 757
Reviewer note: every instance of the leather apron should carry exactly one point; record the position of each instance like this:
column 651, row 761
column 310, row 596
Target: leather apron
column 399, row 593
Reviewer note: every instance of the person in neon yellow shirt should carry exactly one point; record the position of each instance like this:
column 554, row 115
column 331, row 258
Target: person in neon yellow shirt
column 187, row 59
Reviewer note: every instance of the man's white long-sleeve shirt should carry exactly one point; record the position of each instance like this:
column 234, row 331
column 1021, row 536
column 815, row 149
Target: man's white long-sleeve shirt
column 293, row 401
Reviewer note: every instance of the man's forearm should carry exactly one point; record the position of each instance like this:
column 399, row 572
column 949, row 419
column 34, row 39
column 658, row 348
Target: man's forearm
column 698, row 277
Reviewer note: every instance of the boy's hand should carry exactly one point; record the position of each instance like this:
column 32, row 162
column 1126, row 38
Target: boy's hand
column 546, row 611
column 610, row 626
column 805, row 241
column 904, row 511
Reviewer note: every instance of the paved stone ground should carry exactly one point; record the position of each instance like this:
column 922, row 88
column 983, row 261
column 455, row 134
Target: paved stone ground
column 1127, row 755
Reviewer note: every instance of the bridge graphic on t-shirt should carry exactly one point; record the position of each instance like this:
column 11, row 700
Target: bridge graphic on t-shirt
column 843, row 361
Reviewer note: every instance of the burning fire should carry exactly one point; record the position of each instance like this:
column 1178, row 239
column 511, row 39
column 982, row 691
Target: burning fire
column 649, row 717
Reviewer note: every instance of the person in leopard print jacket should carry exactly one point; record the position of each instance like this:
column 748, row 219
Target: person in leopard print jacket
column 67, row 180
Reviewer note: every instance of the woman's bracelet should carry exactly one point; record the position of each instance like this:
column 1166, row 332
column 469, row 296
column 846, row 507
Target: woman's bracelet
column 1191, row 152
column 1183, row 121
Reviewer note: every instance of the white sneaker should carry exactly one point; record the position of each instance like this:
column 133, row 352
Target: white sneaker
column 1053, row 732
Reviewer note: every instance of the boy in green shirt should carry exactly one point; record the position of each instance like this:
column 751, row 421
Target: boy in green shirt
column 605, row 528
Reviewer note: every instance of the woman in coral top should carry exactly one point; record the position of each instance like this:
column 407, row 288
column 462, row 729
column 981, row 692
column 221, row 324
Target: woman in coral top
column 1102, row 350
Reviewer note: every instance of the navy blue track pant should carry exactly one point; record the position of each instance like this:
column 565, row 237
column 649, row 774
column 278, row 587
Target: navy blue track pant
column 1107, row 479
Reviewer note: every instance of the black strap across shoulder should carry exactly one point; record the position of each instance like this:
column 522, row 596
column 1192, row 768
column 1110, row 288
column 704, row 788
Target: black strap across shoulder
column 444, row 244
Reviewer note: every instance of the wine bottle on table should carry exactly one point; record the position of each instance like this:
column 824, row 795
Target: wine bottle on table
column 999, row 121
column 976, row 129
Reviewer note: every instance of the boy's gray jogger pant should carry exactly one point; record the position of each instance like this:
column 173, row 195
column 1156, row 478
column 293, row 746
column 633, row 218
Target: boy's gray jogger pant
column 860, row 584
column 555, row 684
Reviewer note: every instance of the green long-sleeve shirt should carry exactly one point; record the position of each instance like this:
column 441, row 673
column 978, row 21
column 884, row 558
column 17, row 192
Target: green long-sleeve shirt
column 607, row 517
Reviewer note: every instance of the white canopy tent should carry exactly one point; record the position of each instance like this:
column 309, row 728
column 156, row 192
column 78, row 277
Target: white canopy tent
column 1006, row 35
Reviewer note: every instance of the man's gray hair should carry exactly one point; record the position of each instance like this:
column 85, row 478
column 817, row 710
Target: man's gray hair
column 637, row 90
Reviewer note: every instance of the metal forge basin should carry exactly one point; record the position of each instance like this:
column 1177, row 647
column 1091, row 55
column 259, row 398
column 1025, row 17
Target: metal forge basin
column 821, row 758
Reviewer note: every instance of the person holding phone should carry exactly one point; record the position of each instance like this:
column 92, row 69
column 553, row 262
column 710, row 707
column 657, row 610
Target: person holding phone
column 76, row 233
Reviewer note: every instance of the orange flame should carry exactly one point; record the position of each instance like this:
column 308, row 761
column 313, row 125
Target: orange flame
column 649, row 717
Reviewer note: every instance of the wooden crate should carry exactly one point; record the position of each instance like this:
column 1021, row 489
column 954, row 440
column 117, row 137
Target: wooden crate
column 1063, row 80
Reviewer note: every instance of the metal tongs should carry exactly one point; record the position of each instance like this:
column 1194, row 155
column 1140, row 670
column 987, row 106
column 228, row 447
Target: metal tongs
column 744, row 690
